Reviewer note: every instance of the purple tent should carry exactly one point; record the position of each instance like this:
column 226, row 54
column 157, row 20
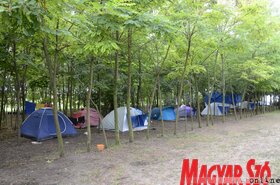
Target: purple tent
column 185, row 111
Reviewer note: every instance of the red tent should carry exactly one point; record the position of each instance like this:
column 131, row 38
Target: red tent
column 94, row 117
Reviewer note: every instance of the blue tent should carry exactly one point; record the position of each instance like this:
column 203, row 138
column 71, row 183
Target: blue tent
column 139, row 120
column 221, row 109
column 218, row 97
column 29, row 107
column 168, row 114
column 252, row 106
column 40, row 125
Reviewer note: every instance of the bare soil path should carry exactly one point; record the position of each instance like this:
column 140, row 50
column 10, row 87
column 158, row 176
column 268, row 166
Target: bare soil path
column 144, row 162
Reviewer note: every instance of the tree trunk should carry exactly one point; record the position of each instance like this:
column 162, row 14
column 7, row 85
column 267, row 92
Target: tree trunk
column 67, row 96
column 23, row 92
column 12, row 111
column 79, row 99
column 182, row 80
column 189, row 39
column 129, row 42
column 157, row 98
column 55, row 114
column 88, row 106
column 233, row 102
column 270, row 102
column 263, row 102
column 2, row 111
column 52, row 67
column 211, row 90
column 215, row 79
column 209, row 110
column 12, row 100
column 209, row 98
column 59, row 99
column 17, row 90
column 5, row 112
column 242, row 99
column 223, row 86
column 138, row 95
column 101, row 123
column 63, row 96
column 150, row 109
column 191, row 104
column 71, row 89
column 186, row 114
column 99, row 89
column 160, row 108
column 256, row 104
column 154, row 91
column 132, row 94
column 116, row 75
column 198, row 104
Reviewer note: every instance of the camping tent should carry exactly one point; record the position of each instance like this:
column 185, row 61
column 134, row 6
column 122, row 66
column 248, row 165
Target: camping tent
column 218, row 97
column 29, row 107
column 216, row 109
column 168, row 114
column 40, row 125
column 138, row 119
column 94, row 117
column 242, row 105
column 185, row 111
column 251, row 106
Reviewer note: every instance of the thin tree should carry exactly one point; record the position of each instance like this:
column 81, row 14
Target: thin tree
column 138, row 93
column 17, row 89
column 52, row 68
column 198, row 101
column 158, row 71
column 88, row 105
column 116, row 75
column 233, row 103
column 160, row 108
column 191, row 102
column 189, row 35
column 129, row 45
column 223, row 85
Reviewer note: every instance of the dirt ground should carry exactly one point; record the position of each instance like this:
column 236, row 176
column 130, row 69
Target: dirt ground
column 144, row 162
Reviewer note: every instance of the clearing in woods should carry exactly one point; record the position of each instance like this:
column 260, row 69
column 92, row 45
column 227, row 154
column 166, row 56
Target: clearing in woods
column 156, row 161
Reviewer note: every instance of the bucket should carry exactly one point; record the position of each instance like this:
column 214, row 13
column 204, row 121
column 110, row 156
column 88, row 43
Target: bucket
column 100, row 147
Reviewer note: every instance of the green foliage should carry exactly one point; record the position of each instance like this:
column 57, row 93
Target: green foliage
column 256, row 70
column 246, row 35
